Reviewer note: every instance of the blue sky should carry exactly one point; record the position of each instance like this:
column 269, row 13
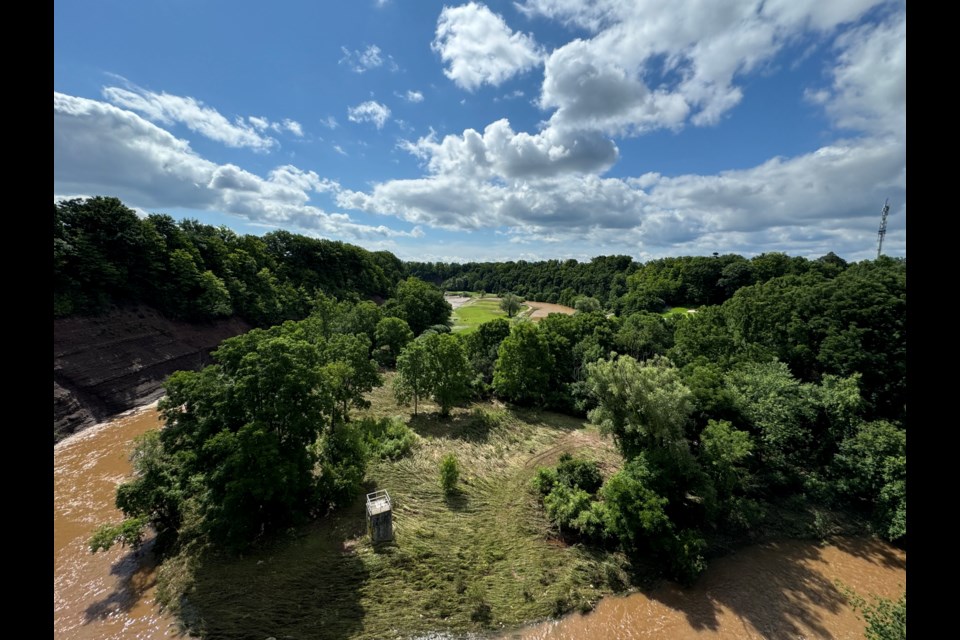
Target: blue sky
column 495, row 131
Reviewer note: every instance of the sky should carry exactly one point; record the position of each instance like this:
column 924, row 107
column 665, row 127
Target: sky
column 494, row 131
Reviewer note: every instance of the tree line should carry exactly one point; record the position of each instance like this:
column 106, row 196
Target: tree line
column 105, row 254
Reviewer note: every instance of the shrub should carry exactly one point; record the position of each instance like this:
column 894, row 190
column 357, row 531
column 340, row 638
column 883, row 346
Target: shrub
column 545, row 480
column 449, row 474
column 388, row 438
column 577, row 473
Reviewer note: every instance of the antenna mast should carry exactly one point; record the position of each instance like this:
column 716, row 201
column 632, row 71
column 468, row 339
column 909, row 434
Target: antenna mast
column 883, row 226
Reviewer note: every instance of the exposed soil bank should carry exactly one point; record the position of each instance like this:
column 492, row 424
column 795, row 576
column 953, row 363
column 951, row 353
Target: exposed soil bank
column 109, row 364
column 785, row 589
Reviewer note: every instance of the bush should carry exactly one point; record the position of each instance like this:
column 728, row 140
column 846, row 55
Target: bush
column 564, row 505
column 577, row 473
column 387, row 438
column 545, row 480
column 449, row 474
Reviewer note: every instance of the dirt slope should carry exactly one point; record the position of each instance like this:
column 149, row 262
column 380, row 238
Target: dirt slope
column 107, row 364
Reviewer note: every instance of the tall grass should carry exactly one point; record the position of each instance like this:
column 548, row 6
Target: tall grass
column 484, row 557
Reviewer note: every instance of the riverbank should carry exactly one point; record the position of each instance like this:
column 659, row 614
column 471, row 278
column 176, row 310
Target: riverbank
column 483, row 562
column 105, row 365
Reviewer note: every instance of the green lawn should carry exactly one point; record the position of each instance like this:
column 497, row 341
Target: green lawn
column 484, row 559
column 479, row 310
column 675, row 311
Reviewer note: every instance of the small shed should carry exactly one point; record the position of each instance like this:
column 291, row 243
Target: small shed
column 379, row 516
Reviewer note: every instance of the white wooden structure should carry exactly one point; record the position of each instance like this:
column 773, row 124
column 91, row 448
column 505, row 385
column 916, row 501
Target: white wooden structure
column 379, row 516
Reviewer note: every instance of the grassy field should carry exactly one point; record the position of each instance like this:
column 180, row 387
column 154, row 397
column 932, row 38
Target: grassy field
column 676, row 311
column 479, row 310
column 485, row 559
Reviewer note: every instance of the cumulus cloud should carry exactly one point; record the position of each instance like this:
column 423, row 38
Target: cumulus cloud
column 168, row 109
column 369, row 111
column 100, row 148
column 413, row 96
column 801, row 204
column 647, row 66
column 502, row 153
column 478, row 47
column 869, row 91
column 650, row 65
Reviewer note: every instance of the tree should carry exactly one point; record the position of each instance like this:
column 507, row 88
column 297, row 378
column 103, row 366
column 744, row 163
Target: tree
column 236, row 459
column 349, row 373
column 419, row 303
column 524, row 365
column 448, row 370
column 782, row 410
column 392, row 335
column 586, row 304
column 510, row 303
column 870, row 468
column 723, row 451
column 643, row 404
column 644, row 335
column 413, row 375
column 482, row 346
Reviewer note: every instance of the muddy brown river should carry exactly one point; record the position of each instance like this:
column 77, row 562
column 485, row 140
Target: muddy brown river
column 782, row 590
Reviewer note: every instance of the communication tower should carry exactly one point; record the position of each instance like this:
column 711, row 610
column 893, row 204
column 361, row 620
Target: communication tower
column 883, row 227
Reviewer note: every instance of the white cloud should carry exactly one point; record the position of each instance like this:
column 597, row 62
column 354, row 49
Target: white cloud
column 293, row 127
column 651, row 64
column 330, row 122
column 369, row 58
column 369, row 111
column 869, row 91
column 262, row 124
column 478, row 47
column 169, row 109
column 103, row 149
column 413, row 96
column 502, row 153
column 818, row 202
column 339, row 149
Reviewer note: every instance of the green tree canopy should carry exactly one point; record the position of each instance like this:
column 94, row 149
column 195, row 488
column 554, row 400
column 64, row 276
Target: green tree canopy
column 420, row 304
column 524, row 365
column 643, row 404
column 434, row 365
column 392, row 335
column 510, row 303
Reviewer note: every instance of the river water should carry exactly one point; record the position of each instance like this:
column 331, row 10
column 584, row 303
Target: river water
column 109, row 595
column 779, row 590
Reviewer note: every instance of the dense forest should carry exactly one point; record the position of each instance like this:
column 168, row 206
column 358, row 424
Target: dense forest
column 786, row 385
column 104, row 254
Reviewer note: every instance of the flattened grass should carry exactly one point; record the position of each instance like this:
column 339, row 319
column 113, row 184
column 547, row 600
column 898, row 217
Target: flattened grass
column 485, row 558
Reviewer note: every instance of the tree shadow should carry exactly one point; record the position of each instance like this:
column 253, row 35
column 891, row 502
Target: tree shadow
column 457, row 500
column 471, row 426
column 872, row 550
column 770, row 587
column 305, row 586
column 136, row 571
